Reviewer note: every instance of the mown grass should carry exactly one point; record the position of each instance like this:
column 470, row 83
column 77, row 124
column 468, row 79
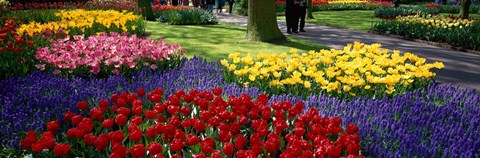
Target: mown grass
column 215, row 42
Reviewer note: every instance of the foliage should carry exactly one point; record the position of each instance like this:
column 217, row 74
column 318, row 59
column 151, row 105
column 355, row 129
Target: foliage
column 104, row 55
column 391, row 13
column 463, row 36
column 357, row 70
column 453, row 9
column 187, row 17
column 78, row 22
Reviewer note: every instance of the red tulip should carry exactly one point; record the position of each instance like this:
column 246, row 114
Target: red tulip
column 228, row 149
column 101, row 142
column 120, row 119
column 53, row 126
column 138, row 150
column 141, row 92
column 135, row 135
column 82, row 105
column 154, row 148
column 176, row 145
column 352, row 129
column 103, row 103
column 107, row 123
column 89, row 139
column 192, row 139
column 61, row 149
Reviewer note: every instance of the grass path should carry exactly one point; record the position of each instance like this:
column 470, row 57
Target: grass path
column 360, row 20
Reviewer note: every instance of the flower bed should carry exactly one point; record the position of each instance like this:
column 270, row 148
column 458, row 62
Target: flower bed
column 16, row 51
column 357, row 70
column 391, row 13
column 456, row 32
column 79, row 21
column 396, row 126
column 104, row 55
column 436, row 21
column 196, row 124
column 161, row 8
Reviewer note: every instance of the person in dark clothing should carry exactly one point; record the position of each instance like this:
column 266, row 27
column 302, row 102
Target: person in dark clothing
column 174, row 2
column 210, row 4
column 220, row 4
column 291, row 15
column 302, row 13
column 230, row 5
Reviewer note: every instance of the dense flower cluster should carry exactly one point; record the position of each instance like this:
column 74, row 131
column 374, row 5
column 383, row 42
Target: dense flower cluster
column 45, row 6
column 113, row 53
column 202, row 123
column 14, row 42
column 29, row 103
column 358, row 69
column 433, row 5
column 83, row 21
column 160, row 8
column 436, row 21
column 347, row 1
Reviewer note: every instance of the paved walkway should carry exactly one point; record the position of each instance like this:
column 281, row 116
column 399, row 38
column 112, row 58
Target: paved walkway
column 460, row 67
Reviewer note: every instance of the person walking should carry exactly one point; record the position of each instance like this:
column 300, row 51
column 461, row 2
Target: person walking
column 230, row 5
column 174, row 2
column 163, row 2
column 220, row 4
column 291, row 15
column 302, row 13
column 196, row 3
column 210, row 4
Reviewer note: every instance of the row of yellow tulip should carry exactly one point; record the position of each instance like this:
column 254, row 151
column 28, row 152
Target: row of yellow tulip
column 84, row 20
column 358, row 69
column 436, row 21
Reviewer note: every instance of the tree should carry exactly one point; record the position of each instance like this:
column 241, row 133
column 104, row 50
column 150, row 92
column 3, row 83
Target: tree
column 262, row 21
column 146, row 8
column 310, row 9
column 465, row 9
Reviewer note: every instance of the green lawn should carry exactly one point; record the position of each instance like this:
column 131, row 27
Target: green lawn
column 360, row 20
column 215, row 42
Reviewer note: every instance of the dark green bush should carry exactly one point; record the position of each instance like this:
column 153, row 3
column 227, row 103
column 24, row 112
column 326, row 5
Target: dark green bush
column 452, row 9
column 468, row 37
column 187, row 17
column 391, row 13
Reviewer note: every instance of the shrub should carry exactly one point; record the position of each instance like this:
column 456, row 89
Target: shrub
column 194, row 123
column 454, row 33
column 357, row 70
column 105, row 55
column 187, row 17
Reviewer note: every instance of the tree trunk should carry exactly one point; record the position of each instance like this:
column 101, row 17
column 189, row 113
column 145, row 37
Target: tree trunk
column 146, row 8
column 262, row 21
column 465, row 9
column 310, row 9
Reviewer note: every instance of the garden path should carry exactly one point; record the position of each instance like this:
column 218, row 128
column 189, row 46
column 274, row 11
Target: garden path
column 461, row 68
